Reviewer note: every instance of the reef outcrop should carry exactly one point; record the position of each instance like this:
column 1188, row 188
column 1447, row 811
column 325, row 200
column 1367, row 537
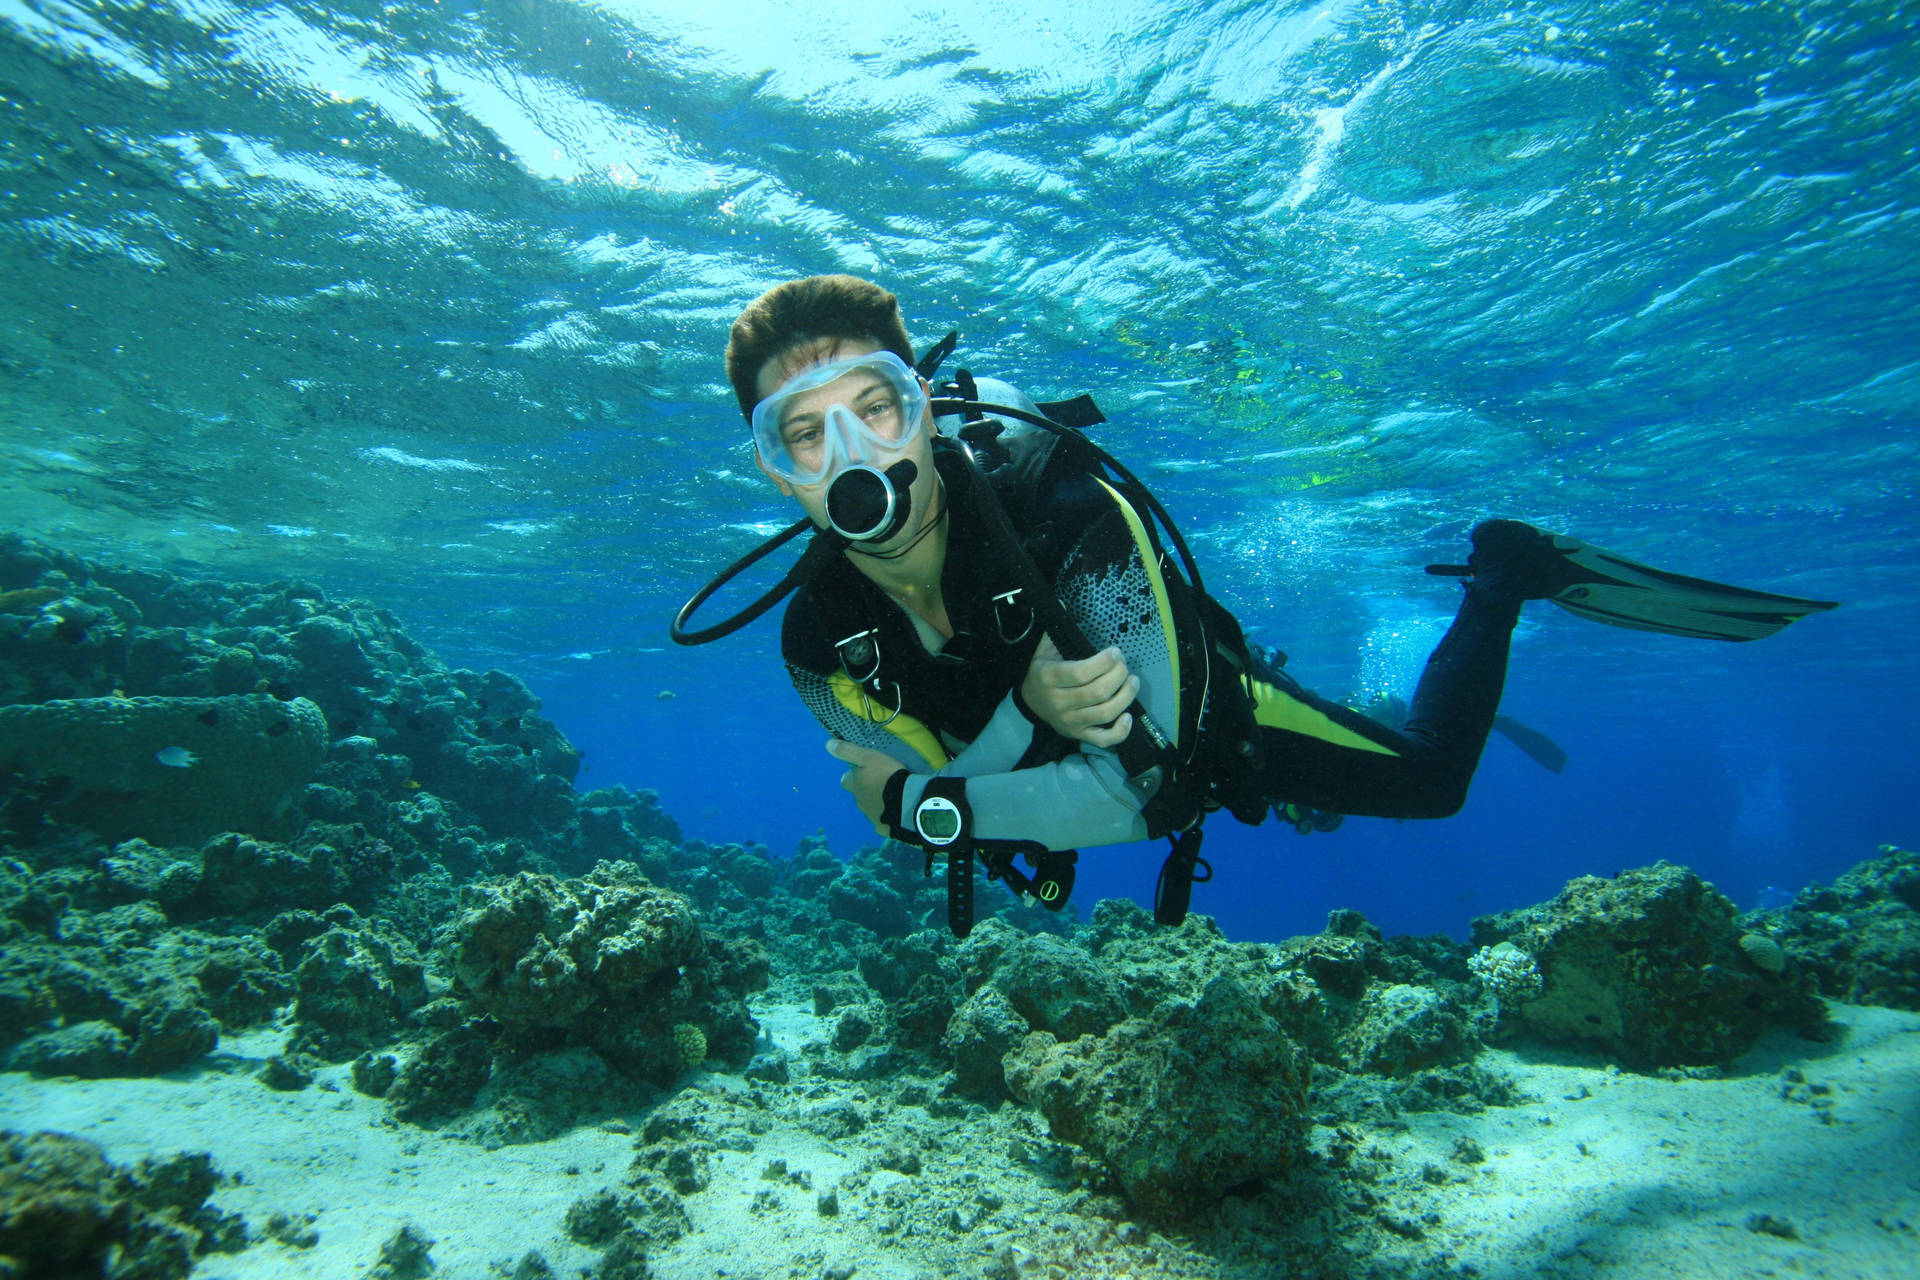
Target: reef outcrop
column 1648, row 967
column 66, row 1210
column 1859, row 936
column 166, row 769
column 1182, row 1105
column 224, row 798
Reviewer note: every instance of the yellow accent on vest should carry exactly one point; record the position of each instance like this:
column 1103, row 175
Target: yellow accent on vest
column 1277, row 710
column 1162, row 605
column 903, row 726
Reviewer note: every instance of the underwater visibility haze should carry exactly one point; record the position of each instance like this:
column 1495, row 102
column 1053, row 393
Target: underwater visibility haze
column 382, row 890
column 425, row 303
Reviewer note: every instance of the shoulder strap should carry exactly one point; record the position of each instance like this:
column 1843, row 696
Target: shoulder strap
column 1151, row 758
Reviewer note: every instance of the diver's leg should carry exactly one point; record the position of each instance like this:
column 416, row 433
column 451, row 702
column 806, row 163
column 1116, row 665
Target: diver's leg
column 1323, row 755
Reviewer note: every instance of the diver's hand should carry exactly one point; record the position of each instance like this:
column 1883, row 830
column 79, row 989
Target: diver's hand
column 1087, row 699
column 868, row 777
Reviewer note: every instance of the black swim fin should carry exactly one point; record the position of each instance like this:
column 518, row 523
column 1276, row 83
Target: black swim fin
column 1539, row 748
column 1606, row 587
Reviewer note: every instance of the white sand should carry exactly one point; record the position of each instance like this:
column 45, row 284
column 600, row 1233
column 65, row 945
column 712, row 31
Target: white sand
column 1671, row 1174
column 1673, row 1170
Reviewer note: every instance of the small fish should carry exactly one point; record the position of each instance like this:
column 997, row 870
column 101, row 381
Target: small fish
column 411, row 784
column 27, row 599
column 666, row 695
column 175, row 757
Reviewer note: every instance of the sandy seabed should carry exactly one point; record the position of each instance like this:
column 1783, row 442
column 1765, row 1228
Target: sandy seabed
column 1804, row 1160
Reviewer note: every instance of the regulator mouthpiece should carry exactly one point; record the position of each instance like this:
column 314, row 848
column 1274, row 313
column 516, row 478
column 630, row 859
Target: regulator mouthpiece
column 865, row 504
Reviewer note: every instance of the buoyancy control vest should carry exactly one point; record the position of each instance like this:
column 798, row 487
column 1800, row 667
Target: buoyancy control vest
column 1211, row 759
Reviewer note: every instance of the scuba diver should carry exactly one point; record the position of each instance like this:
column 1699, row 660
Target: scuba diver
column 1011, row 645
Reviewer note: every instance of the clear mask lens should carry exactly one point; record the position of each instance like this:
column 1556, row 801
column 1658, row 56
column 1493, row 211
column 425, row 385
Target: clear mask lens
column 865, row 409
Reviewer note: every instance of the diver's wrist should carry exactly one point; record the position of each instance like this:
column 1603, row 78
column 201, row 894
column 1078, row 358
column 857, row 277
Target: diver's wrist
column 893, row 800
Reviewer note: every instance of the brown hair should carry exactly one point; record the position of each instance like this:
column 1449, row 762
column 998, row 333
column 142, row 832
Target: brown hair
column 804, row 311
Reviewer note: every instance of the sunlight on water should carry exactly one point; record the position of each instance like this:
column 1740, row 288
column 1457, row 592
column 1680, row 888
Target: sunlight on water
column 427, row 303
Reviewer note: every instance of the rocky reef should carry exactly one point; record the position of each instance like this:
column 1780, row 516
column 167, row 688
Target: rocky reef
column 66, row 1210
column 1651, row 966
column 231, row 808
column 1859, row 937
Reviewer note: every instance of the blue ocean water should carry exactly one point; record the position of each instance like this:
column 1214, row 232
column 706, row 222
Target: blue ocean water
column 424, row 302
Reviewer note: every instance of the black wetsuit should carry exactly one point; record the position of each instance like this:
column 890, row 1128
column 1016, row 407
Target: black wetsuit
column 952, row 706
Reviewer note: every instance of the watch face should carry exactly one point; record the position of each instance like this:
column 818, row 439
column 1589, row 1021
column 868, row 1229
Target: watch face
column 938, row 819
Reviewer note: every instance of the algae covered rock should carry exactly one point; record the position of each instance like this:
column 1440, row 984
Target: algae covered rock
column 355, row 985
column 1152, row 963
column 575, row 994
column 1859, row 936
column 537, row 951
column 1059, row 988
column 1648, row 967
column 89, row 1050
column 1401, row 1028
column 445, row 1077
column 1181, row 1106
column 66, row 1210
column 118, row 992
column 172, row 770
column 981, row 1033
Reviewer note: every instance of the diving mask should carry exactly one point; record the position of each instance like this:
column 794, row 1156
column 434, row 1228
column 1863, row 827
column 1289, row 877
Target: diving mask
column 864, row 409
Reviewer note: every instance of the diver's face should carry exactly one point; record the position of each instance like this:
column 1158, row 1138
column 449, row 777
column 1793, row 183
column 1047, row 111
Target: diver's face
column 803, row 428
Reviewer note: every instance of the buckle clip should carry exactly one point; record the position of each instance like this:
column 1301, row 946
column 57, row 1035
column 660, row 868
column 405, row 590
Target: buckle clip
column 1002, row 602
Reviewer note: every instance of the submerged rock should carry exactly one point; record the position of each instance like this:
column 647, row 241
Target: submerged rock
column 168, row 769
column 538, row 951
column 1860, row 936
column 356, row 986
column 1400, row 1029
column 1181, row 1106
column 119, row 992
column 1647, row 967
column 66, row 1210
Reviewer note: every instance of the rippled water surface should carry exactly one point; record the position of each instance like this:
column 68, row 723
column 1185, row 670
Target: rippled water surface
column 425, row 302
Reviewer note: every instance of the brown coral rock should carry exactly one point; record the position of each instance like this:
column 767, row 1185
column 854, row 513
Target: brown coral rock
column 1182, row 1105
column 535, row 950
column 245, row 759
column 1647, row 966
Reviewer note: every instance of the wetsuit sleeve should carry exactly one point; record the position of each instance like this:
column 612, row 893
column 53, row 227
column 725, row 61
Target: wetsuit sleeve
column 1110, row 583
column 1006, row 739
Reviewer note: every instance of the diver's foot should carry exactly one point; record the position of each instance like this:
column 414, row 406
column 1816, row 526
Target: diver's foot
column 1516, row 561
